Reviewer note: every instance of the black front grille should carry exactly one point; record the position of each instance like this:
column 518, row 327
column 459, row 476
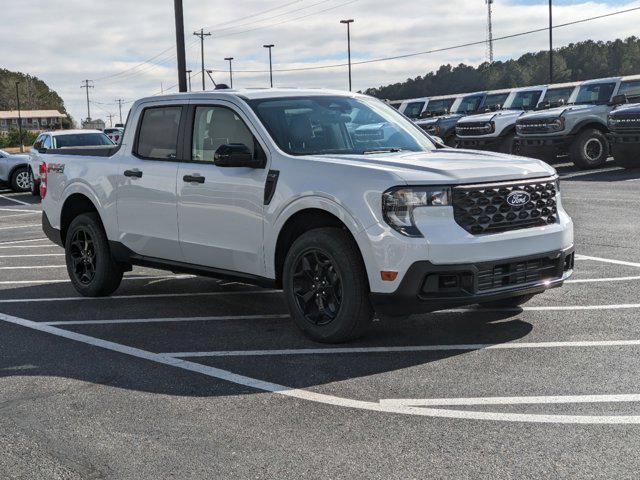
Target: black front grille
column 624, row 123
column 486, row 209
column 532, row 126
column 521, row 272
column 471, row 129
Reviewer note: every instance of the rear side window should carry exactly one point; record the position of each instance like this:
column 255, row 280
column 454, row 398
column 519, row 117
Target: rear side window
column 414, row 109
column 80, row 140
column 630, row 89
column 158, row 133
column 554, row 95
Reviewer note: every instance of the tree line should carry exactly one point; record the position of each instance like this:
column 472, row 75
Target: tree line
column 574, row 62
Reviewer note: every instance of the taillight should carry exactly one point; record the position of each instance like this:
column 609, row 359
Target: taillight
column 43, row 179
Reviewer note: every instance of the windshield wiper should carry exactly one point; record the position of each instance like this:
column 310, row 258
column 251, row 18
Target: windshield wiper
column 382, row 150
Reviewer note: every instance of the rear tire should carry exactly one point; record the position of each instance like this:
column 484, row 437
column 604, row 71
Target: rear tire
column 92, row 269
column 20, row 180
column 510, row 302
column 326, row 287
column 590, row 149
column 627, row 157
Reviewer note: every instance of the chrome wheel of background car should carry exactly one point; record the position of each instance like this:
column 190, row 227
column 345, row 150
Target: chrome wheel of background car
column 23, row 181
column 317, row 287
column 83, row 256
column 593, row 149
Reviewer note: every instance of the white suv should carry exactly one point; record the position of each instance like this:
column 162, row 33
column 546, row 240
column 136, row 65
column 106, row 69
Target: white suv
column 289, row 188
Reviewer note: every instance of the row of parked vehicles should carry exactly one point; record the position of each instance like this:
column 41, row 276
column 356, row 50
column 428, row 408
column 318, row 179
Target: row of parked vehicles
column 586, row 121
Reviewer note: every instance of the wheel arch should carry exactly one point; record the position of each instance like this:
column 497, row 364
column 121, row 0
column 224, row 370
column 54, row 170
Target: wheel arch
column 589, row 123
column 75, row 204
column 14, row 168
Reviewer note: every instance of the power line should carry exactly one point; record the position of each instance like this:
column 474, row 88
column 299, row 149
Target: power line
column 444, row 49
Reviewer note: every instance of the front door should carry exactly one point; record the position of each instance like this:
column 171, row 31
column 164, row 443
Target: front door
column 146, row 197
column 220, row 209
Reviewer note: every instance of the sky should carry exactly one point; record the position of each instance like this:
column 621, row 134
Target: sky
column 127, row 47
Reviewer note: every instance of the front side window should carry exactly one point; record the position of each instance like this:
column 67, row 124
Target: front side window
column 322, row 125
column 631, row 89
column 594, row 94
column 81, row 140
column 440, row 107
column 46, row 141
column 495, row 100
column 465, row 105
column 215, row 126
column 555, row 95
column 414, row 109
column 158, row 134
column 525, row 100
column 38, row 143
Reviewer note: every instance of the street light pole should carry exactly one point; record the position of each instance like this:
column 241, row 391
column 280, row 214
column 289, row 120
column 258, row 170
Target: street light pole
column 180, row 50
column 19, row 117
column 550, row 41
column 270, row 46
column 230, row 59
column 348, row 24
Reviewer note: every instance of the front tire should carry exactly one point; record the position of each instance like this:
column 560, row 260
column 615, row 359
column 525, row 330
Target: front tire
column 20, row 180
column 507, row 145
column 325, row 286
column 590, row 149
column 92, row 269
column 510, row 302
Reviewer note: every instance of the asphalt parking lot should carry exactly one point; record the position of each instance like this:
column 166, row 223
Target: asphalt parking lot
column 183, row 377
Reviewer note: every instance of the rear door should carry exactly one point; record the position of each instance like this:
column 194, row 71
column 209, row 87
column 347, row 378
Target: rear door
column 220, row 209
column 146, row 197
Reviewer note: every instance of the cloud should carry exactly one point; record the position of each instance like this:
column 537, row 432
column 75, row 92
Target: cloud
column 66, row 42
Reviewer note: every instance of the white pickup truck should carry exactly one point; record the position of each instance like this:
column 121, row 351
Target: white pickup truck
column 303, row 190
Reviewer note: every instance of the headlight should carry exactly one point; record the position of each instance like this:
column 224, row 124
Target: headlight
column 556, row 125
column 399, row 203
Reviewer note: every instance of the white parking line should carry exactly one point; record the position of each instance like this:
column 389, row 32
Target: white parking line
column 34, row 255
column 36, row 267
column 13, row 247
column 416, row 348
column 14, row 227
column 317, row 397
column 608, row 260
column 21, row 210
column 52, row 282
column 167, row 320
column 547, row 399
column 125, row 297
column 5, row 217
column 6, row 197
column 589, row 172
column 11, row 242
column 596, row 280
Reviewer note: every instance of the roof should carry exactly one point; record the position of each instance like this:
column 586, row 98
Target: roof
column 58, row 133
column 31, row 114
column 252, row 94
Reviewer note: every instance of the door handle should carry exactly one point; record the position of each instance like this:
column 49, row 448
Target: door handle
column 193, row 179
column 133, row 173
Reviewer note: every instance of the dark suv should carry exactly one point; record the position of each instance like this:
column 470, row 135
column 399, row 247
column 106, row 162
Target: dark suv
column 624, row 125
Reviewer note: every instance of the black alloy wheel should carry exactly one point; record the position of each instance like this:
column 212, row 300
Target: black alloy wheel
column 317, row 286
column 83, row 256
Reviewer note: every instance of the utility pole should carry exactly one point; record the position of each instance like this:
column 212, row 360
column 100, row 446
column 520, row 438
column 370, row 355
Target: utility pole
column 180, row 50
column 19, row 117
column 189, row 78
column 120, row 107
column 348, row 24
column 489, row 31
column 209, row 72
column 230, row 59
column 111, row 115
column 270, row 46
column 87, row 86
column 550, row 41
column 201, row 34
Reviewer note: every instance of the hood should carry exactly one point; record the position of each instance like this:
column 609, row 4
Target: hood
column 489, row 116
column 19, row 156
column 557, row 112
column 432, row 120
column 447, row 166
column 631, row 108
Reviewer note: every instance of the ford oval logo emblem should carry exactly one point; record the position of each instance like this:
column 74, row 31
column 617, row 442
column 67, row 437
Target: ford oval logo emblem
column 518, row 198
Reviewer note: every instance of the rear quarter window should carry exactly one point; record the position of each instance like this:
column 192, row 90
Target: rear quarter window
column 158, row 133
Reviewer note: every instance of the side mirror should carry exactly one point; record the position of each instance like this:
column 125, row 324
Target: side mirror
column 619, row 100
column 235, row 155
column 544, row 105
column 42, row 150
column 426, row 114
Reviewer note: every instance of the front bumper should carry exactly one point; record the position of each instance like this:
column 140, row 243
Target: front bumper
column 624, row 138
column 543, row 146
column 490, row 143
column 427, row 287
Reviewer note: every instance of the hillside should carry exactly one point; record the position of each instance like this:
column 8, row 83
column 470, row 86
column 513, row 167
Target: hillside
column 576, row 61
column 34, row 93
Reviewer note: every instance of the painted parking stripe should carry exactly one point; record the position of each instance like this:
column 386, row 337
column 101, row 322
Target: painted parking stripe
column 11, row 242
column 226, row 375
column 32, row 267
column 22, row 210
column 546, row 399
column 610, row 279
column 34, row 255
column 126, row 297
column 15, row 227
column 608, row 260
column 590, row 172
column 168, row 320
column 15, row 247
column 5, row 197
column 52, row 282
column 8, row 217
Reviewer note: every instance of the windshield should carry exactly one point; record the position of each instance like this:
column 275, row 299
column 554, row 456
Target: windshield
column 414, row 109
column 555, row 95
column 3, row 153
column 593, row 94
column 495, row 100
column 524, row 100
column 335, row 124
column 81, row 140
column 466, row 105
column 440, row 106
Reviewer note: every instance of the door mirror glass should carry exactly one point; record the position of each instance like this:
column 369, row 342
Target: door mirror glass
column 619, row 100
column 544, row 105
column 42, row 150
column 234, row 155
